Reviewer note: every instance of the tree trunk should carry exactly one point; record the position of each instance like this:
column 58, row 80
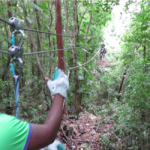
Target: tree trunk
column 39, row 45
column 33, row 43
column 77, row 100
column 121, row 84
column 86, row 55
column 86, row 40
column 67, row 15
column 51, row 42
column 4, row 75
column 8, row 108
column 61, row 60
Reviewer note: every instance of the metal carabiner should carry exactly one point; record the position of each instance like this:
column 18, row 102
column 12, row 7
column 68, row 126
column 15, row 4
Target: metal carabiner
column 17, row 51
column 12, row 68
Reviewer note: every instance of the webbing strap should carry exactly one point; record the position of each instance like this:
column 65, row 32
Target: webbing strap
column 17, row 95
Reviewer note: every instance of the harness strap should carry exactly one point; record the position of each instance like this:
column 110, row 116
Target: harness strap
column 16, row 52
column 17, row 94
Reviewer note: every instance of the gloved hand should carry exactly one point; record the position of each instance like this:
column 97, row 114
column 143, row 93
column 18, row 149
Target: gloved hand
column 56, row 145
column 59, row 85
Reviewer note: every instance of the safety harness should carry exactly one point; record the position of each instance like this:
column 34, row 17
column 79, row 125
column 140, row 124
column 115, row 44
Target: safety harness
column 16, row 53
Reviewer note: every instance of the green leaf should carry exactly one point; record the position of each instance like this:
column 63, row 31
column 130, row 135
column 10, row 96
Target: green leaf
column 36, row 6
column 130, row 148
column 90, row 75
column 145, row 135
column 30, row 21
column 43, row 6
column 80, row 77
column 80, row 90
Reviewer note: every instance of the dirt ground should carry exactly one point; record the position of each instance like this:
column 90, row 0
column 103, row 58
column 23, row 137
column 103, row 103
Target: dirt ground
column 83, row 133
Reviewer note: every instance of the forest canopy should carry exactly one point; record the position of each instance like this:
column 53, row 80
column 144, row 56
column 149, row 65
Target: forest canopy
column 120, row 92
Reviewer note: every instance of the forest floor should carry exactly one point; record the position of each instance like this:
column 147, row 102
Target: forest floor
column 91, row 132
column 88, row 132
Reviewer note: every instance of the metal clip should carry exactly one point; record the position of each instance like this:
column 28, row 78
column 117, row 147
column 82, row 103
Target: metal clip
column 12, row 68
column 16, row 23
column 17, row 51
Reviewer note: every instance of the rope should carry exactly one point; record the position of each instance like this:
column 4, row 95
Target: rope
column 85, row 62
column 81, row 64
column 16, row 53
column 32, row 30
column 17, row 94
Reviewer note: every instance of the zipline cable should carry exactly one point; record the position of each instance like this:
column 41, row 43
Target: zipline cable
column 5, row 21
column 32, row 53
column 40, row 52
column 4, row 52
column 56, row 50
column 32, row 30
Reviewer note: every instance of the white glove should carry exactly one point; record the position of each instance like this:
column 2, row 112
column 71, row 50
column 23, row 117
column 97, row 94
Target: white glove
column 56, row 145
column 59, row 85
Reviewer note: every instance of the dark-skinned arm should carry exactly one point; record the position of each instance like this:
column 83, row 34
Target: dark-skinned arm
column 45, row 134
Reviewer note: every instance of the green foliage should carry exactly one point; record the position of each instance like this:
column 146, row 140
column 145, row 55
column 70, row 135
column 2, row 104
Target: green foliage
column 133, row 109
column 129, row 108
column 33, row 89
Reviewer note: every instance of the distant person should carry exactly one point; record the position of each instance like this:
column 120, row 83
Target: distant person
column 16, row 134
column 102, row 54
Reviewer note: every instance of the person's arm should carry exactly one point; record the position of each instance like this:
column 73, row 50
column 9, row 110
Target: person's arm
column 45, row 134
